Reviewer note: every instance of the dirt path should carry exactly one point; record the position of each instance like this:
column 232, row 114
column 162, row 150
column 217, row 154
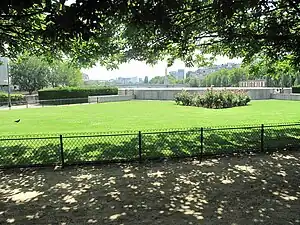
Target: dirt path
column 249, row 190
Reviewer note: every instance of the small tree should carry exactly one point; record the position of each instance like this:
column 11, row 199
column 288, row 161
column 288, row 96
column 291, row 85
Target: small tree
column 29, row 73
column 64, row 74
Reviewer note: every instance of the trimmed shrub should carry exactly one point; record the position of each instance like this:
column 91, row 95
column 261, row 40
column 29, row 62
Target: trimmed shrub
column 184, row 98
column 15, row 98
column 296, row 89
column 213, row 99
column 75, row 94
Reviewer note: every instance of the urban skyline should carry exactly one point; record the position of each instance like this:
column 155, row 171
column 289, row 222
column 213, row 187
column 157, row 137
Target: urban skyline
column 141, row 69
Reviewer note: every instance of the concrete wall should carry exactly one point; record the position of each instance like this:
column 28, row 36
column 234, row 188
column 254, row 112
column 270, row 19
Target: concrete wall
column 31, row 99
column 110, row 98
column 256, row 93
column 142, row 85
column 295, row 97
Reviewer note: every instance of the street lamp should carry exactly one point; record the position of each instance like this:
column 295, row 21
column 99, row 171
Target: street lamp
column 8, row 85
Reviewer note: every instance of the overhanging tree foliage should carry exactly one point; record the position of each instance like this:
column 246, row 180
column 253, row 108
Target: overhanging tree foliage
column 113, row 32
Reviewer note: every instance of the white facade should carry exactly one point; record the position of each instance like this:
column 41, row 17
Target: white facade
column 3, row 71
column 85, row 77
column 253, row 83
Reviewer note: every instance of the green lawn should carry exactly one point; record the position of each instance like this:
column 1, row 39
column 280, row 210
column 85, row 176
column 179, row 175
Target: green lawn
column 141, row 115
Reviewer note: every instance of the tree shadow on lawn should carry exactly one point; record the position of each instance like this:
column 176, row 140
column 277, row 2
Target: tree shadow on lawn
column 103, row 151
column 22, row 154
column 249, row 140
column 262, row 189
column 154, row 145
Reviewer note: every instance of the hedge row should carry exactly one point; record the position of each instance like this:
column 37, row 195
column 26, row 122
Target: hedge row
column 75, row 92
column 14, row 98
column 296, row 89
column 213, row 99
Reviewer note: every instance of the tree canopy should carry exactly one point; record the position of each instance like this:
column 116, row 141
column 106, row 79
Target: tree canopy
column 29, row 73
column 276, row 74
column 32, row 73
column 113, row 32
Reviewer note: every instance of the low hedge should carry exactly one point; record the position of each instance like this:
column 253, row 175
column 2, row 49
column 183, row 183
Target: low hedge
column 213, row 99
column 296, row 89
column 80, row 95
column 15, row 98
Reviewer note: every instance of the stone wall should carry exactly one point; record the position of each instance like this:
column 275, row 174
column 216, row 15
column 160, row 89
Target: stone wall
column 110, row 98
column 295, row 97
column 31, row 99
column 169, row 93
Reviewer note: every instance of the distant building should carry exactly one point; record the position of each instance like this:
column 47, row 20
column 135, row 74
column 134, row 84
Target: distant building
column 95, row 82
column 253, row 83
column 126, row 80
column 173, row 73
column 85, row 77
column 179, row 74
column 3, row 74
column 3, row 71
column 202, row 72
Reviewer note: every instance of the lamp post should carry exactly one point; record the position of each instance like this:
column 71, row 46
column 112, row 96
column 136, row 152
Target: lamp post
column 8, row 85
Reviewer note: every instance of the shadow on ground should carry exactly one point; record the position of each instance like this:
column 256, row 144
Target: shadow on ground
column 262, row 189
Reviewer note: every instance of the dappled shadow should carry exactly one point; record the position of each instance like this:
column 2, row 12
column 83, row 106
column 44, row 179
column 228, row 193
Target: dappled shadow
column 249, row 190
column 249, row 140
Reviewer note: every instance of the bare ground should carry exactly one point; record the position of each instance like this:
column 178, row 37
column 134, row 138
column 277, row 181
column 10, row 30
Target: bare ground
column 262, row 189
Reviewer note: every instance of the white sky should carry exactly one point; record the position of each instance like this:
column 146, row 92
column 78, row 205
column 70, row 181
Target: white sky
column 141, row 69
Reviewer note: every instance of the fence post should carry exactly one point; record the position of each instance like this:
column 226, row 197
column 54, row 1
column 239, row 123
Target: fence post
column 262, row 138
column 140, row 146
column 201, row 146
column 61, row 150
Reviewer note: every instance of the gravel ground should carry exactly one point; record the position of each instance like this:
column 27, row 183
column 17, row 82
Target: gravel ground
column 263, row 189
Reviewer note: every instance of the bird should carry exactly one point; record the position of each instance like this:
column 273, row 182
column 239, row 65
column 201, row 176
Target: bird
column 17, row 121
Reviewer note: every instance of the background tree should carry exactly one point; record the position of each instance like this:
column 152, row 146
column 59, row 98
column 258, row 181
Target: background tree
column 193, row 81
column 278, row 73
column 62, row 73
column 161, row 80
column 226, row 77
column 29, row 73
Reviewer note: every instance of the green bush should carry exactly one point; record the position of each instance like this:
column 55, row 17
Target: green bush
column 78, row 94
column 15, row 98
column 184, row 98
column 296, row 89
column 213, row 99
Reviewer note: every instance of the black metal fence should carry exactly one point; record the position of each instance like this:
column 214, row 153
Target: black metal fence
column 71, row 149
column 50, row 102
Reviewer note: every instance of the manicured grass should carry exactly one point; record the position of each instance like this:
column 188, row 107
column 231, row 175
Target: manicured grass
column 142, row 115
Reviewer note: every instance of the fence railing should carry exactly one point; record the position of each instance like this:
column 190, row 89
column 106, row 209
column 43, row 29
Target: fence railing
column 70, row 149
column 50, row 102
